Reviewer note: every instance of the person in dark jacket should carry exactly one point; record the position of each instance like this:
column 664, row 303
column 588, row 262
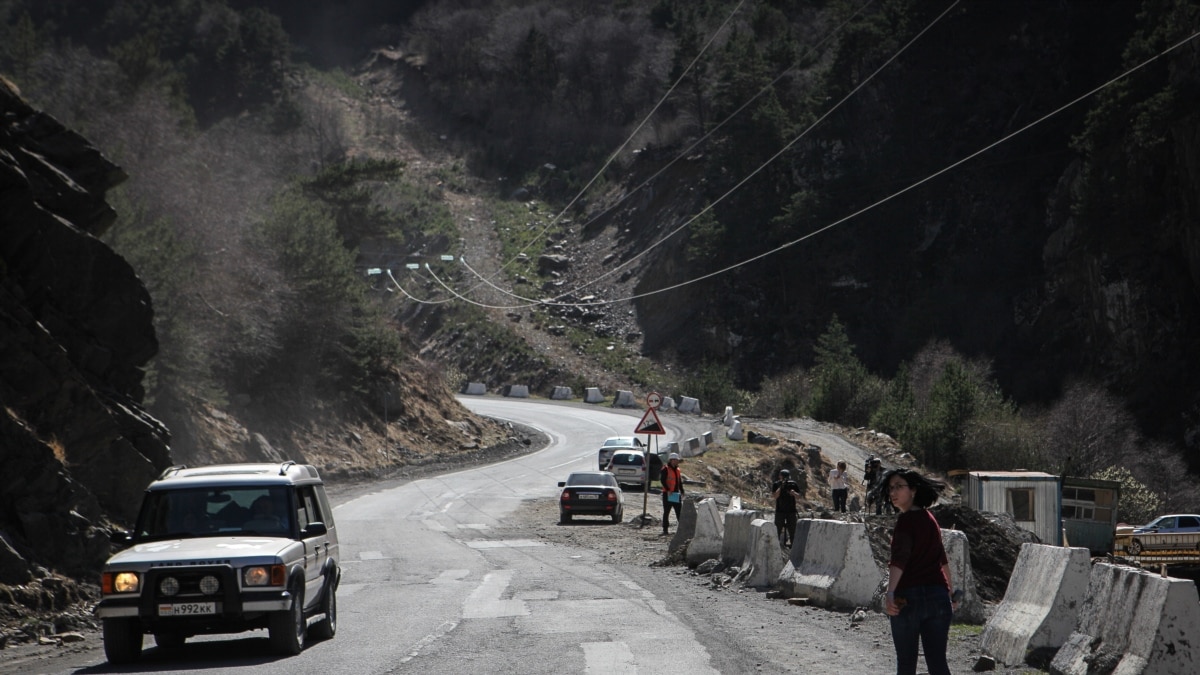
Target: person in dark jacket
column 672, row 489
column 785, row 492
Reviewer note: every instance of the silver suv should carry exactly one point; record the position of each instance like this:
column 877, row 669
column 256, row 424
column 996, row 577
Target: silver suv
column 224, row 549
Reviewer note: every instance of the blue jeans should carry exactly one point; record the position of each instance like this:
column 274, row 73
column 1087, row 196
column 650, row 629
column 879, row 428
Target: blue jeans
column 925, row 616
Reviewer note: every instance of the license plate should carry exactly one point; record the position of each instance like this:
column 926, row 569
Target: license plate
column 187, row 609
column 589, row 496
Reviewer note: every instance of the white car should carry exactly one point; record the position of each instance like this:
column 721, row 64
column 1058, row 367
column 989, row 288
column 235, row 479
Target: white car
column 614, row 443
column 628, row 466
column 224, row 549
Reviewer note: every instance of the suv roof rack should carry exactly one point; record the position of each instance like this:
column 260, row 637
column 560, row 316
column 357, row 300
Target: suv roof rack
column 171, row 470
column 283, row 468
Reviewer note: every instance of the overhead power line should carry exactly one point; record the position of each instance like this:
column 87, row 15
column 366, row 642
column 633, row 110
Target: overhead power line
column 529, row 302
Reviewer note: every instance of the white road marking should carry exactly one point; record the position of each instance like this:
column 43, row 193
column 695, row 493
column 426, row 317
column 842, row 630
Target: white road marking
column 370, row 555
column 424, row 642
column 484, row 544
column 485, row 602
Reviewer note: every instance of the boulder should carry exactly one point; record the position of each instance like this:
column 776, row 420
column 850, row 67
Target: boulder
column 553, row 262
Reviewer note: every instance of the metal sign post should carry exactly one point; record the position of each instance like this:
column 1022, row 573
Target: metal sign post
column 651, row 426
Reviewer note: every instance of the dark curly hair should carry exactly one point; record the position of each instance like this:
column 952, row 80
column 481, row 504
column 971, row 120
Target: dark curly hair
column 925, row 490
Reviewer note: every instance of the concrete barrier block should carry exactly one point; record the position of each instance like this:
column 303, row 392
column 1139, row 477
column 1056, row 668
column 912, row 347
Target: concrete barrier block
column 735, row 546
column 624, row 399
column 765, row 559
column 734, row 433
column 685, row 529
column 727, row 420
column 673, row 446
column 1133, row 622
column 735, row 503
column 474, row 389
column 592, row 395
column 691, row 447
column 561, row 394
column 690, row 405
column 958, row 551
column 1041, row 605
column 831, row 564
column 516, row 390
column 668, row 403
column 709, row 534
column 706, row 439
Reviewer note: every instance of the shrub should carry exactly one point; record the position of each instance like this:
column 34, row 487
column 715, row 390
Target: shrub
column 1138, row 503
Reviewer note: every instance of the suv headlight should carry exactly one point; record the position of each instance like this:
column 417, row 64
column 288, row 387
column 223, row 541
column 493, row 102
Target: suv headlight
column 120, row 582
column 264, row 575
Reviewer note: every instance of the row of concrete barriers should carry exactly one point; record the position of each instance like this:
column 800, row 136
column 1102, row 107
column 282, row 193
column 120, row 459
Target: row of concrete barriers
column 830, row 562
column 622, row 399
column 1058, row 608
column 1087, row 618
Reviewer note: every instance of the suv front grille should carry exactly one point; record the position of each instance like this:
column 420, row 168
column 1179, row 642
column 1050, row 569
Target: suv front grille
column 189, row 579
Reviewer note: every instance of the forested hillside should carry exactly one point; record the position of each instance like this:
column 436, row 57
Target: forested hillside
column 970, row 224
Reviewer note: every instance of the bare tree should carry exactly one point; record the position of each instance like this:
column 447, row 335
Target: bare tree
column 1088, row 430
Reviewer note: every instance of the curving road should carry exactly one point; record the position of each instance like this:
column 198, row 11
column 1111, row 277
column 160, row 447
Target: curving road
column 435, row 581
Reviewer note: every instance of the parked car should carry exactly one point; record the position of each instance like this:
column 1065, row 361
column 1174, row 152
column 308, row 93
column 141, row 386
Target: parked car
column 612, row 444
column 590, row 493
column 628, row 466
column 224, row 549
column 1175, row 533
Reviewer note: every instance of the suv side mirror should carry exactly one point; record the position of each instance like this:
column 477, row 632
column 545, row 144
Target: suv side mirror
column 315, row 529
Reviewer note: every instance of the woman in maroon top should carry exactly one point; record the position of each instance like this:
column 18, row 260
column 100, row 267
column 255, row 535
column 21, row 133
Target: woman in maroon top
column 919, row 593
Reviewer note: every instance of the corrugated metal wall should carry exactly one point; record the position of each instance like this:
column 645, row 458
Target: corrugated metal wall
column 1034, row 504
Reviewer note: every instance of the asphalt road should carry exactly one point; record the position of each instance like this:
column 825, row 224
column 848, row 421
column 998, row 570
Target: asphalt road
column 437, row 581
column 469, row 572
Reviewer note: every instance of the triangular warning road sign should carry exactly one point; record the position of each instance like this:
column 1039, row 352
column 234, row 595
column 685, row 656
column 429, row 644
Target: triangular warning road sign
column 650, row 424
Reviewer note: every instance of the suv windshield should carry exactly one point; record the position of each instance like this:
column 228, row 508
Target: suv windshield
column 199, row 512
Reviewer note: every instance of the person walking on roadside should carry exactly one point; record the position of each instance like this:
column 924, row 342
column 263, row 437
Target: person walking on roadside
column 672, row 489
column 873, row 478
column 785, row 491
column 919, row 601
column 870, row 475
column 839, row 484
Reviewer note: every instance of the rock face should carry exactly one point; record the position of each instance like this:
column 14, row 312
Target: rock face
column 75, row 332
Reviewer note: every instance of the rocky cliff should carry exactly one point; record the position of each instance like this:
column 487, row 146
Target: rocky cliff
column 76, row 332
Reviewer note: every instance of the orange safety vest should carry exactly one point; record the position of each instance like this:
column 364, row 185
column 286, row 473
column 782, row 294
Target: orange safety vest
column 673, row 479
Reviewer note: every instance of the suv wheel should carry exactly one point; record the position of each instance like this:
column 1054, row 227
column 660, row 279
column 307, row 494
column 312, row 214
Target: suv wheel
column 286, row 628
column 122, row 640
column 326, row 628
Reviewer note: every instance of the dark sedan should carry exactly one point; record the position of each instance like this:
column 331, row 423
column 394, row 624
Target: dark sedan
column 590, row 493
